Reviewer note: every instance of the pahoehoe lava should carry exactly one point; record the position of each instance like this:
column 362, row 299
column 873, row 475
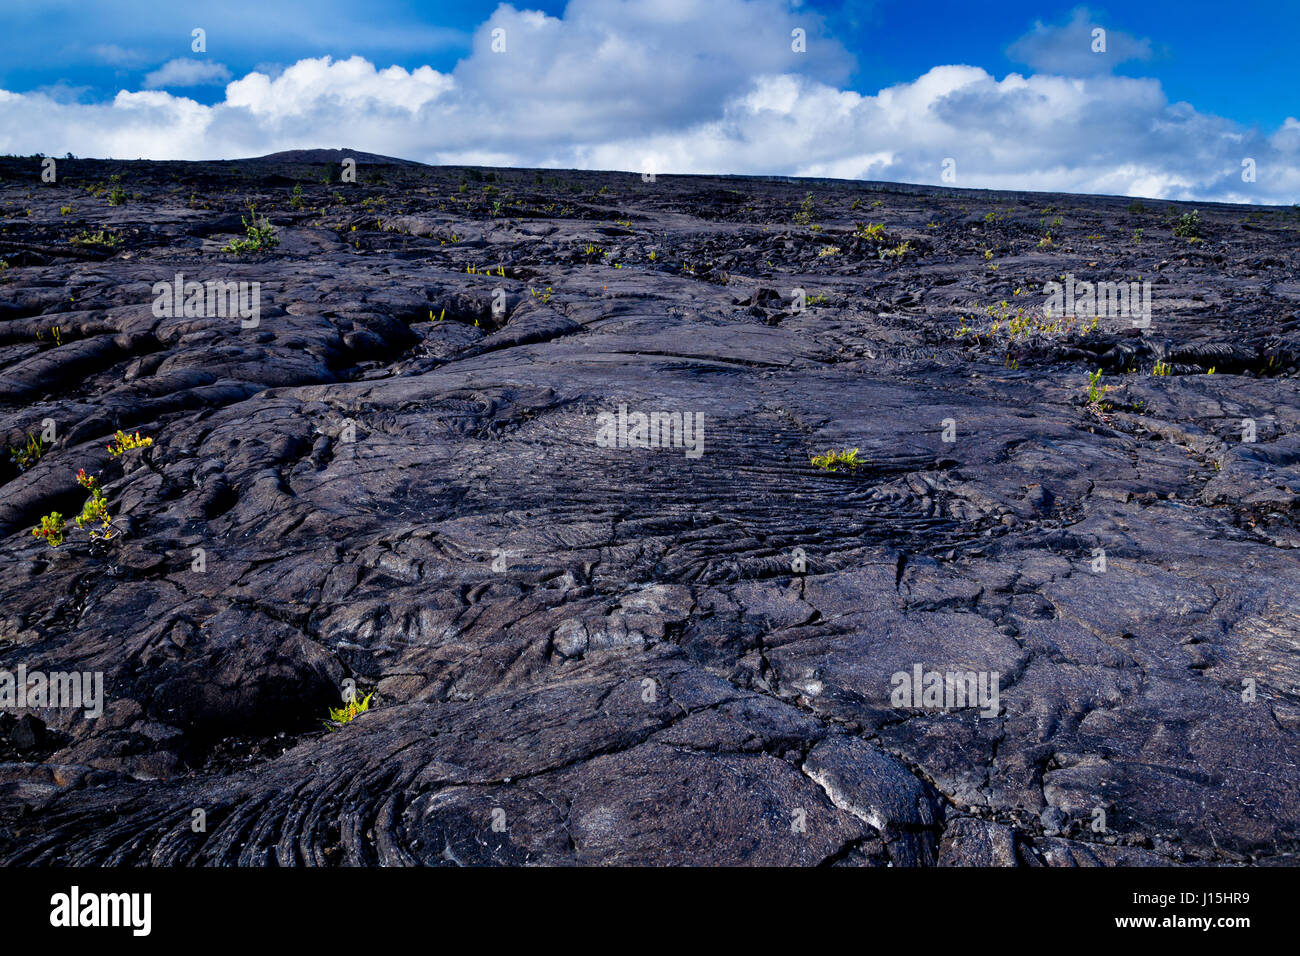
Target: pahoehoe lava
column 592, row 655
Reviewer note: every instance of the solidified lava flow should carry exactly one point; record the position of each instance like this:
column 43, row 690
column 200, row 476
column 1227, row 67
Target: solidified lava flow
column 527, row 457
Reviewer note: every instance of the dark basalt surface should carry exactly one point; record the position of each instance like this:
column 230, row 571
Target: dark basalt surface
column 607, row 652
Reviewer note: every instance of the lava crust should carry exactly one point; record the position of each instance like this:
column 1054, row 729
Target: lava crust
column 587, row 653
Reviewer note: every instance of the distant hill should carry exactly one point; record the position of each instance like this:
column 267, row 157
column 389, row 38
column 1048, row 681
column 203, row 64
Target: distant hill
column 329, row 156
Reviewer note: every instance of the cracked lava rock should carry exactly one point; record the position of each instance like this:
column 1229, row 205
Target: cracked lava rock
column 422, row 470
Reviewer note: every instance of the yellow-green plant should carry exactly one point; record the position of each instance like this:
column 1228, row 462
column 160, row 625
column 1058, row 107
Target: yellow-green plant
column 804, row 215
column 1188, row 225
column 109, row 240
column 1162, row 368
column 94, row 518
column 350, row 710
column 29, row 454
column 50, row 529
column 122, row 443
column 259, row 234
column 833, row 460
column 1095, row 389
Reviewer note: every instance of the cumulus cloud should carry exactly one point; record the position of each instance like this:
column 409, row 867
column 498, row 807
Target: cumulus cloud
column 1076, row 48
column 626, row 84
column 629, row 64
column 183, row 72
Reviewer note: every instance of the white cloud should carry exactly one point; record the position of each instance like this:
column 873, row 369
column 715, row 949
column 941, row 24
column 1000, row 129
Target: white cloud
column 709, row 89
column 1073, row 48
column 311, row 87
column 182, row 72
column 113, row 54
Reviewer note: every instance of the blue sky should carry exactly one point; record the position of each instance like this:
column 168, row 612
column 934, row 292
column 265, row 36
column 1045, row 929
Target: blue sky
column 1011, row 91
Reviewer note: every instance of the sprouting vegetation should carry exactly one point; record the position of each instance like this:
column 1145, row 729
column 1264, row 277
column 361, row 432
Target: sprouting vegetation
column 1162, row 368
column 102, row 238
column 122, row 443
column 898, row 251
column 833, row 460
column 350, row 710
column 1188, row 225
column 1022, row 321
column 804, row 216
column 95, row 518
column 1095, row 389
column 51, row 529
column 29, row 454
column 116, row 195
column 1097, row 393
column 259, row 235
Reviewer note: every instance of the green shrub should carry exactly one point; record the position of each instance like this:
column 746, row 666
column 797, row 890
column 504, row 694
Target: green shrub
column 259, row 235
column 1188, row 225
